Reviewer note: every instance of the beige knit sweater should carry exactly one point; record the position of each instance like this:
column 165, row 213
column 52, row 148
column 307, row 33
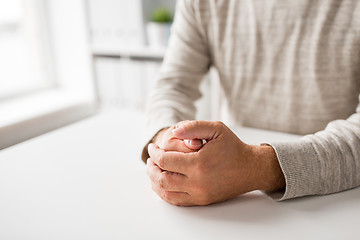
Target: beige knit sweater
column 291, row 66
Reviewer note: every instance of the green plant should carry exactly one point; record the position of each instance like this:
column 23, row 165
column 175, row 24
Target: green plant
column 161, row 15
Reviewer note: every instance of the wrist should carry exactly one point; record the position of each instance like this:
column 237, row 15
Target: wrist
column 268, row 174
column 158, row 135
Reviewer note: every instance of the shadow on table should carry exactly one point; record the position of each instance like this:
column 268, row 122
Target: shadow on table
column 314, row 204
column 257, row 207
column 249, row 207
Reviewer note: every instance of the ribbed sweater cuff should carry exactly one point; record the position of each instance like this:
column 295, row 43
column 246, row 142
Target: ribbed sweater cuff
column 299, row 163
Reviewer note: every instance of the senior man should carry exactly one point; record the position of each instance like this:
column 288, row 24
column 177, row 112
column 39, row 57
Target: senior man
column 290, row 66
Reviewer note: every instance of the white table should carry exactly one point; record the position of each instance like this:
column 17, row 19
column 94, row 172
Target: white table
column 86, row 181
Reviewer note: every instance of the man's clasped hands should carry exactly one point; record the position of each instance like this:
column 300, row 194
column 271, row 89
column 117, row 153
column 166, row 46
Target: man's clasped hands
column 203, row 162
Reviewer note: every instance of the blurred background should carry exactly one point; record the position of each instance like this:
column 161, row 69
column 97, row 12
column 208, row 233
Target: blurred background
column 64, row 60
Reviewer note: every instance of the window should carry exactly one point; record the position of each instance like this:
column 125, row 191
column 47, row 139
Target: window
column 46, row 77
column 23, row 48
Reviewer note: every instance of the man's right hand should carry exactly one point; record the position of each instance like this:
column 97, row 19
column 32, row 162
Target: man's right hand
column 166, row 140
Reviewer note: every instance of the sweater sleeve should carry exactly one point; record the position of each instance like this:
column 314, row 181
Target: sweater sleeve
column 186, row 62
column 321, row 163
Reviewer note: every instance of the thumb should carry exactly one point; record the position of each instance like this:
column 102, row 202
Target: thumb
column 207, row 130
column 193, row 144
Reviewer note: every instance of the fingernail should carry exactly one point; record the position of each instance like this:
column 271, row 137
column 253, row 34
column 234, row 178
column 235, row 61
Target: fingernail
column 178, row 130
column 196, row 142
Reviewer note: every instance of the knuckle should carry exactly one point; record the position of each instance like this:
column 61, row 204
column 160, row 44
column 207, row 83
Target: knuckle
column 161, row 161
column 194, row 123
column 179, row 124
column 177, row 203
column 174, row 201
column 166, row 175
column 148, row 171
column 187, row 123
column 161, row 182
column 219, row 124
column 168, row 197
column 165, row 195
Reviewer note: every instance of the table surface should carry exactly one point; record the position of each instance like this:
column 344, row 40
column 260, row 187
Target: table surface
column 86, row 181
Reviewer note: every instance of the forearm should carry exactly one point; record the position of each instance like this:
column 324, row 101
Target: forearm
column 186, row 62
column 322, row 163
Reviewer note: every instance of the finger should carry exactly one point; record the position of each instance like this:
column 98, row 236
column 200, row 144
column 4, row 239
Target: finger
column 194, row 144
column 177, row 162
column 175, row 198
column 165, row 180
column 152, row 169
column 207, row 130
column 176, row 145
